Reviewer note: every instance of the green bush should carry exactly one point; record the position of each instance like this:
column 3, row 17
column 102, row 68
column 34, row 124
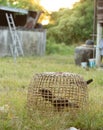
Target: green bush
column 55, row 48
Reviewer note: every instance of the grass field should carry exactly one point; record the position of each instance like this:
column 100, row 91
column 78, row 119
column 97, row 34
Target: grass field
column 15, row 79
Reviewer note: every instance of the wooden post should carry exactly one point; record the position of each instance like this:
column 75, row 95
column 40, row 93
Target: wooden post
column 94, row 20
column 99, row 36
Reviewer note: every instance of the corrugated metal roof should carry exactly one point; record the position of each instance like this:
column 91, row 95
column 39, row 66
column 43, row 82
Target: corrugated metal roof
column 14, row 9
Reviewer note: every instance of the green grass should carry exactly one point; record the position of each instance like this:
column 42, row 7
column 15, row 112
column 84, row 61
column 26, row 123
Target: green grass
column 15, row 79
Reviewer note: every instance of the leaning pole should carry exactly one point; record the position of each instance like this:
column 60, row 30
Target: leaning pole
column 99, row 36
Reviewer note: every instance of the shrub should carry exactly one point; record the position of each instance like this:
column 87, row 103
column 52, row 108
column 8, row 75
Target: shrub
column 56, row 48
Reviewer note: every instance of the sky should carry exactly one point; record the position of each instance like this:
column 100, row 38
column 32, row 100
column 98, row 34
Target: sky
column 55, row 5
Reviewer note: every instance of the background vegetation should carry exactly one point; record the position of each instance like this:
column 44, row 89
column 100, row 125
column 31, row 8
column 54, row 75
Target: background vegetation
column 25, row 4
column 72, row 25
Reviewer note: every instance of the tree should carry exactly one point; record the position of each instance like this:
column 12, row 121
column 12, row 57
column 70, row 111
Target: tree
column 3, row 2
column 25, row 4
column 72, row 25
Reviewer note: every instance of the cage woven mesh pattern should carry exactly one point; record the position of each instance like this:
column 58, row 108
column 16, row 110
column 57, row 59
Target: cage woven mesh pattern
column 57, row 91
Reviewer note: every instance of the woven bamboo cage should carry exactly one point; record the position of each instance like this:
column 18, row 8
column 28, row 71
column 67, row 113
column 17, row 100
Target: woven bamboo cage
column 57, row 91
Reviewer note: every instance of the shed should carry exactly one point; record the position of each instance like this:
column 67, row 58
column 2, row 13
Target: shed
column 30, row 32
column 98, row 13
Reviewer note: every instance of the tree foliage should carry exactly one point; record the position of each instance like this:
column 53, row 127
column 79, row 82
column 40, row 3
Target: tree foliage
column 25, row 4
column 72, row 25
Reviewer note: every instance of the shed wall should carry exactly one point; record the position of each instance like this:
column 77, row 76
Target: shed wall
column 33, row 42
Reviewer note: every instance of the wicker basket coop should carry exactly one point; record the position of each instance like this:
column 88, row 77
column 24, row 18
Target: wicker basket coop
column 57, row 91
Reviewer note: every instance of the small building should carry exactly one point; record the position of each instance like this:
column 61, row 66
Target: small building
column 31, row 33
column 98, row 10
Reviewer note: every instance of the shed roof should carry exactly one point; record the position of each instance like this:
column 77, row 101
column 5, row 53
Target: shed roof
column 5, row 8
column 22, row 18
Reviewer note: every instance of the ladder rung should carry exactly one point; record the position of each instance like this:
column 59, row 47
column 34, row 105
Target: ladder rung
column 11, row 22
